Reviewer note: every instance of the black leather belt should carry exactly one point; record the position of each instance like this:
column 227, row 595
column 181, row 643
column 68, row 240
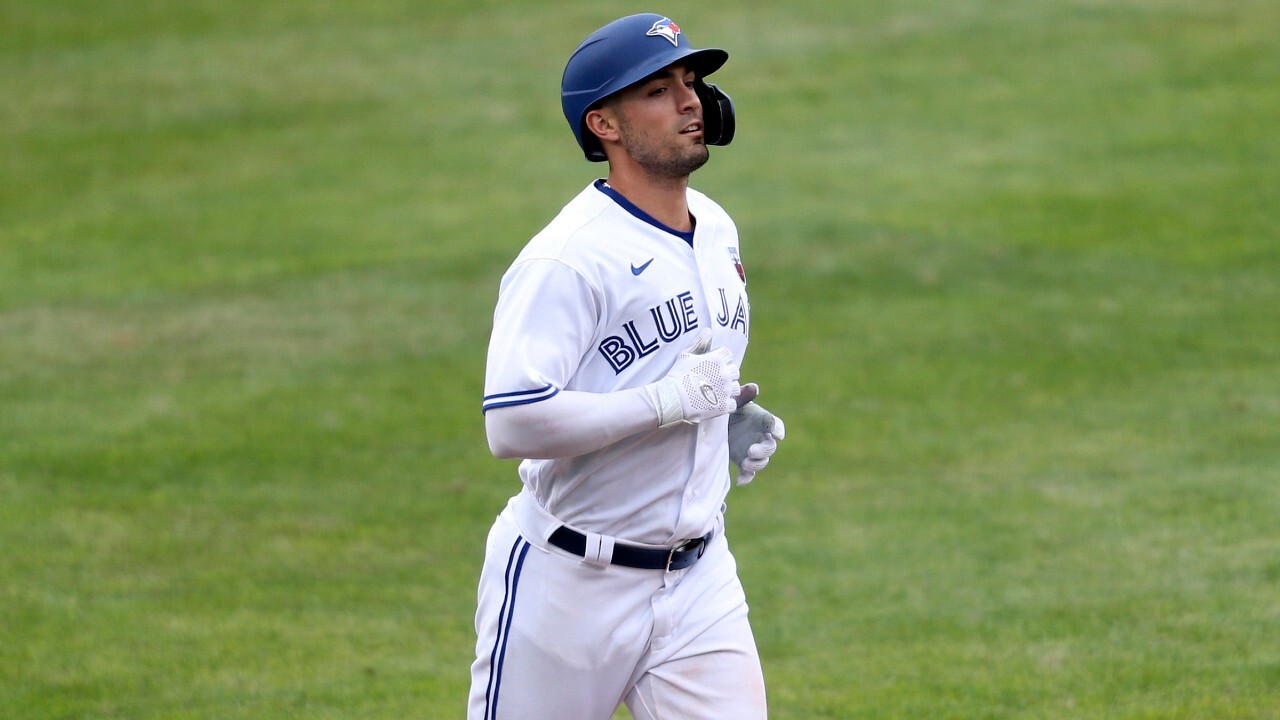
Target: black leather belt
column 632, row 556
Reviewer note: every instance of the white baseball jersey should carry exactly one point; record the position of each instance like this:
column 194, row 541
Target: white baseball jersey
column 605, row 298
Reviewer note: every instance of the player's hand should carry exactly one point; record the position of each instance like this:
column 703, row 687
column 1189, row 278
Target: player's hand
column 753, row 435
column 702, row 384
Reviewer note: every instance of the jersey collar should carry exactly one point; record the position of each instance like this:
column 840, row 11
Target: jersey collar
column 639, row 214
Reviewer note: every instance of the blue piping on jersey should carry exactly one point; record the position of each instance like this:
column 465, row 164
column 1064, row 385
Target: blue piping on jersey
column 520, row 397
column 630, row 207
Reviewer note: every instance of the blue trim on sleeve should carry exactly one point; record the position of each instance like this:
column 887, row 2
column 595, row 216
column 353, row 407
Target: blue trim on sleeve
column 519, row 397
column 630, row 207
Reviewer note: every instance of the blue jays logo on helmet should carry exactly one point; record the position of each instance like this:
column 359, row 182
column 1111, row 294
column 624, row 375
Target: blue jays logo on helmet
column 666, row 29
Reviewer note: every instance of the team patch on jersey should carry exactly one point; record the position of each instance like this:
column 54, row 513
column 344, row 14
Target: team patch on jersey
column 737, row 263
column 665, row 28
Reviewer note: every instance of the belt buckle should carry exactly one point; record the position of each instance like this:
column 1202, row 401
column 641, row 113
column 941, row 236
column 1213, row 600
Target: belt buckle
column 671, row 555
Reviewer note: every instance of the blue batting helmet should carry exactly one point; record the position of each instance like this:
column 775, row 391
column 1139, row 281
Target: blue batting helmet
column 623, row 53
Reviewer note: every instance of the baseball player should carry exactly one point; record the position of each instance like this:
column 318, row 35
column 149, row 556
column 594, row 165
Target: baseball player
column 613, row 375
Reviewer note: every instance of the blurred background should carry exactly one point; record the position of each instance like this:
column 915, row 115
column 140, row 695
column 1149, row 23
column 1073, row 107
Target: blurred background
column 1015, row 272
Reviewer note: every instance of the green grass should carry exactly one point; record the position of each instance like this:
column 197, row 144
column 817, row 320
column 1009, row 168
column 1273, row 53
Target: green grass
column 1015, row 271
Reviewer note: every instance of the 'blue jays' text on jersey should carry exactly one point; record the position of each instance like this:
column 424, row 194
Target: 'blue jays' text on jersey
column 605, row 298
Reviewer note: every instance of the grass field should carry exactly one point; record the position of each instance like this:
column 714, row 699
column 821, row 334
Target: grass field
column 1015, row 270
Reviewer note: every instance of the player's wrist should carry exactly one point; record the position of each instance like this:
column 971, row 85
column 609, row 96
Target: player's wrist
column 664, row 396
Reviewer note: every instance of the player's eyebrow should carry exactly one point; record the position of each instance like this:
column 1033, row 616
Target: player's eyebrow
column 677, row 71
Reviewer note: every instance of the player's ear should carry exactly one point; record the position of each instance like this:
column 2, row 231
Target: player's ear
column 603, row 123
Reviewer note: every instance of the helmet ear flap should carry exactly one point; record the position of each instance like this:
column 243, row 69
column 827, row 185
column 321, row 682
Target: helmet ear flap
column 717, row 114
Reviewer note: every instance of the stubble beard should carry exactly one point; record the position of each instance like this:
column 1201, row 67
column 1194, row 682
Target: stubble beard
column 663, row 163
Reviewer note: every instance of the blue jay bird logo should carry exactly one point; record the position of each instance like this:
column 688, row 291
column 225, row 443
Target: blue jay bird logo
column 665, row 28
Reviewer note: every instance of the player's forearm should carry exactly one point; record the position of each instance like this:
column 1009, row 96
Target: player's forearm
column 568, row 424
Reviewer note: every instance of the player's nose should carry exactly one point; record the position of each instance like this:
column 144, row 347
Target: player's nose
column 689, row 101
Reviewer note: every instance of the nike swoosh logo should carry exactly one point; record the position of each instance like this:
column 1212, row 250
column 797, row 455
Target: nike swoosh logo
column 637, row 270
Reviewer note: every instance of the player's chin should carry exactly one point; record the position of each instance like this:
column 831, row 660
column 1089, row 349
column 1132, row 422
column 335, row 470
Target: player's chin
column 679, row 162
column 696, row 158
column 697, row 151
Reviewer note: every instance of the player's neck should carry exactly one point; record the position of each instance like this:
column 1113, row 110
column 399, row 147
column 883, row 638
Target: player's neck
column 663, row 199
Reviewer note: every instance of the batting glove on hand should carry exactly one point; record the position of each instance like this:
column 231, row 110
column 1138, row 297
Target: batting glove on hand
column 753, row 435
column 702, row 384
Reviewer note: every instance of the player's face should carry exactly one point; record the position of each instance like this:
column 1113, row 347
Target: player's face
column 660, row 121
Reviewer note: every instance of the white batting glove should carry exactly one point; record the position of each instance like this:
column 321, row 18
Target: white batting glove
column 753, row 435
column 702, row 384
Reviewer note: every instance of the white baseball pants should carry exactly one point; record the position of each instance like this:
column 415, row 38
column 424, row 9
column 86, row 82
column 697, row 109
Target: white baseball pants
column 558, row 639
